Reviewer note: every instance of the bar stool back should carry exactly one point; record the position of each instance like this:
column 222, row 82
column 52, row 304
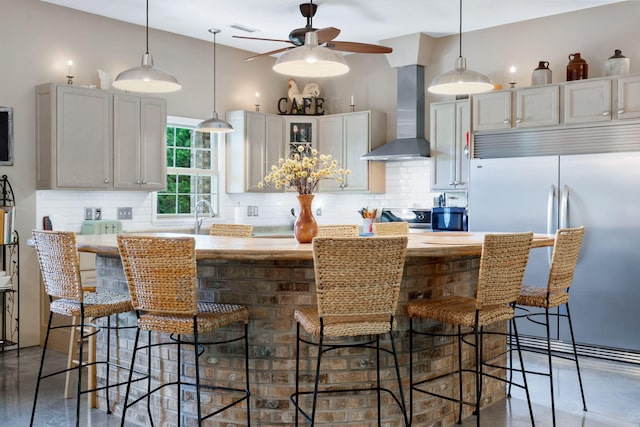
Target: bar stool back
column 502, row 265
column 352, row 301
column 60, row 267
column 555, row 294
column 161, row 275
column 231, row 230
column 340, row 230
column 390, row 228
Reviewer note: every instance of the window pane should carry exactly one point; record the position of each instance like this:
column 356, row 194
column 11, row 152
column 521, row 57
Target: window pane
column 204, row 186
column 183, row 158
column 202, row 140
column 184, row 184
column 171, row 157
column 171, row 183
column 203, row 159
column 183, row 137
column 171, row 138
column 166, row 204
column 184, row 204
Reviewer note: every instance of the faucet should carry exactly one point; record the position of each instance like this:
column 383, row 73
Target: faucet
column 198, row 223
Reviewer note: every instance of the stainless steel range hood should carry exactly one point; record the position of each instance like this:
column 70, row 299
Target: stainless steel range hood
column 410, row 142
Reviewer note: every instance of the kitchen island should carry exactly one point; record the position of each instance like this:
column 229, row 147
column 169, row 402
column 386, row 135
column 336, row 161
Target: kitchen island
column 273, row 277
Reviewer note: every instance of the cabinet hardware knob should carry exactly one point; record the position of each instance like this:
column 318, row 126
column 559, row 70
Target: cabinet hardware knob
column 621, row 111
column 107, row 180
column 506, row 121
column 606, row 113
column 518, row 120
column 144, row 182
column 138, row 182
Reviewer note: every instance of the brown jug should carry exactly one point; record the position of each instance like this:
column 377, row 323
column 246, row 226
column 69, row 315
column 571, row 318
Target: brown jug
column 577, row 69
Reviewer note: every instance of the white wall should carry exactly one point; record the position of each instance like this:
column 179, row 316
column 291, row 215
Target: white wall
column 37, row 39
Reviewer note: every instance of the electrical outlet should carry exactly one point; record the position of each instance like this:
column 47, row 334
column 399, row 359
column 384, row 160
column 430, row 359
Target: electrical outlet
column 125, row 213
column 319, row 212
column 249, row 210
column 88, row 214
column 97, row 214
column 255, row 211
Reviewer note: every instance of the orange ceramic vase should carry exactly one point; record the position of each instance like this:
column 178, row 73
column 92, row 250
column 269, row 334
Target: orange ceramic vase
column 306, row 227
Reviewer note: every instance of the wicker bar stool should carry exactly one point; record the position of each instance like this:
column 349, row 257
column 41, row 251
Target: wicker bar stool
column 556, row 294
column 390, row 228
column 352, row 302
column 60, row 268
column 231, row 230
column 341, row 230
column 161, row 275
column 502, row 264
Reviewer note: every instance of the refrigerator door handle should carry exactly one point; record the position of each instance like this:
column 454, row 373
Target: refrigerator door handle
column 550, row 225
column 564, row 206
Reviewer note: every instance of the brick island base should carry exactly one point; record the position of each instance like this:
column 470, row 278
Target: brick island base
column 273, row 289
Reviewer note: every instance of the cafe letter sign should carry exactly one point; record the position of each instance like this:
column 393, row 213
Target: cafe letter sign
column 309, row 107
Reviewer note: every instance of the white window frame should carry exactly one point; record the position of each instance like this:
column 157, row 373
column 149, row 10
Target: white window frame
column 181, row 219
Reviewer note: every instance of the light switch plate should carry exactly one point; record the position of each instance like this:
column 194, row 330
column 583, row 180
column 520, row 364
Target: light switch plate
column 125, row 213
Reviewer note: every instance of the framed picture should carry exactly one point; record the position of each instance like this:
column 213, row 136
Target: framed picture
column 300, row 130
column 6, row 136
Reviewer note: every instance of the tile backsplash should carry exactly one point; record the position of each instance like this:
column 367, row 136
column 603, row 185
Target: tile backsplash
column 407, row 185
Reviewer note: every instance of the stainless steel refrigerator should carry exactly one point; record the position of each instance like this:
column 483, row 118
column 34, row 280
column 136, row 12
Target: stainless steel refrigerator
column 600, row 192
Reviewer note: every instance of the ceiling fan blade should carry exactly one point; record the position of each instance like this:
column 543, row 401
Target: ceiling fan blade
column 358, row 47
column 268, row 40
column 273, row 52
column 327, row 34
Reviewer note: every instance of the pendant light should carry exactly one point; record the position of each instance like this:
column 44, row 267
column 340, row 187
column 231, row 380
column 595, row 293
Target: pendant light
column 311, row 60
column 460, row 81
column 146, row 78
column 214, row 124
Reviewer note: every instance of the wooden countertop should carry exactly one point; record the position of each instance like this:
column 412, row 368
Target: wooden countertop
column 207, row 247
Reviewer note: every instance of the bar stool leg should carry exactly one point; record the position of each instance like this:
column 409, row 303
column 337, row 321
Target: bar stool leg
column 297, row 396
column 92, row 381
column 524, row 376
column 378, row 376
column 549, row 359
column 133, row 362
column 575, row 355
column 317, row 380
column 44, row 351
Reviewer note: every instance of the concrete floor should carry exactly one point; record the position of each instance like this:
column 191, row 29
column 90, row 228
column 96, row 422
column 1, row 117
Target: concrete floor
column 612, row 391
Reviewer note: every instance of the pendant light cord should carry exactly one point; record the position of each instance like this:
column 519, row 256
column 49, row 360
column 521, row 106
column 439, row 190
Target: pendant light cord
column 214, row 70
column 460, row 34
column 148, row 26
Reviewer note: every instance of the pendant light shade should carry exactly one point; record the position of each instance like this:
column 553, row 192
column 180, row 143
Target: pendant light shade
column 214, row 124
column 311, row 60
column 460, row 81
column 146, row 78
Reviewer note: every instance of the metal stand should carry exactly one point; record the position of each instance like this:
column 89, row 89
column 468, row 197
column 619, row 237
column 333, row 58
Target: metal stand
column 10, row 332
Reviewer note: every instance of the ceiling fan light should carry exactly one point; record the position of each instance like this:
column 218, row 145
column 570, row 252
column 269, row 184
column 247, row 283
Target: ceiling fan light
column 311, row 60
column 146, row 78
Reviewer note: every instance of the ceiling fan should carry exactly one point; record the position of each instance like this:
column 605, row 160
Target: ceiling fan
column 326, row 37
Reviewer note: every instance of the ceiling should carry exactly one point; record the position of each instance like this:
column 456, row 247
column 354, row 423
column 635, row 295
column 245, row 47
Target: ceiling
column 365, row 21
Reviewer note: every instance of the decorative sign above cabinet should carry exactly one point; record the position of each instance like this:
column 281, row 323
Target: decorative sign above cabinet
column 306, row 102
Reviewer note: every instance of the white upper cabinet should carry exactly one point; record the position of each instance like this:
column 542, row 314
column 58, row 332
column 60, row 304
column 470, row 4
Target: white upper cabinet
column 73, row 138
column 256, row 143
column 537, row 106
column 347, row 137
column 449, row 138
column 492, row 110
column 139, row 146
column 96, row 139
column 587, row 101
column 628, row 102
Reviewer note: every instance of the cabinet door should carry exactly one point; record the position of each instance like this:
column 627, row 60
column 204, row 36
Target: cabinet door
column 462, row 149
column 443, row 144
column 587, row 101
column 628, row 97
column 538, row 106
column 356, row 144
column 492, row 111
column 331, row 132
column 256, row 139
column 274, row 145
column 126, row 142
column 153, row 149
column 83, row 138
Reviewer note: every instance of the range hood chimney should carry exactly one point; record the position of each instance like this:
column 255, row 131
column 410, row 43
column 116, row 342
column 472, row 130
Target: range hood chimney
column 410, row 142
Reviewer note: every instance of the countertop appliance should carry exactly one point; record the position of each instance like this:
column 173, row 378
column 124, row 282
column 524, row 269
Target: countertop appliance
column 418, row 218
column 598, row 191
column 449, row 218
